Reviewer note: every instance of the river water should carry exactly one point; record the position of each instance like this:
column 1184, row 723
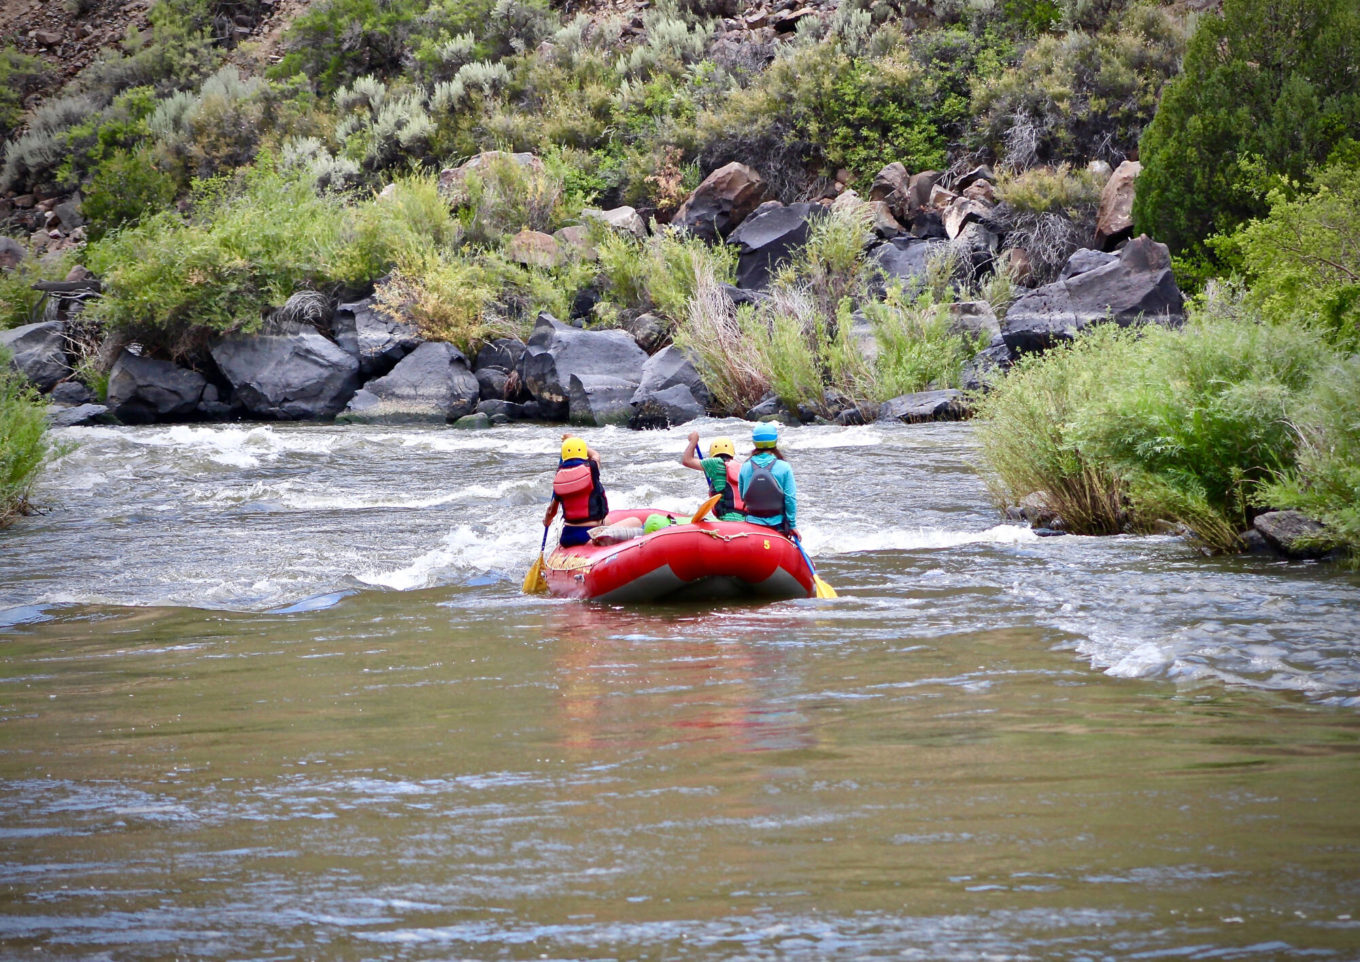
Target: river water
column 271, row 692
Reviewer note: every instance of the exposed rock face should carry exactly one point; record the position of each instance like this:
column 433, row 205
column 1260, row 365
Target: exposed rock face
column 922, row 406
column 1135, row 287
column 432, row 383
column 625, row 220
column 534, row 248
column 143, row 390
column 1114, row 219
column 39, row 353
column 769, row 238
column 905, row 260
column 288, row 377
column 1290, row 534
column 588, row 377
column 721, row 202
column 373, row 338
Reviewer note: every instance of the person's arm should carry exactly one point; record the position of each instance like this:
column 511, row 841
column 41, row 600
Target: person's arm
column 690, row 457
column 591, row 453
column 790, row 500
column 551, row 513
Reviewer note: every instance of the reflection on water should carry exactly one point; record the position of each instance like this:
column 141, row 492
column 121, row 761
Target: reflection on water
column 272, row 692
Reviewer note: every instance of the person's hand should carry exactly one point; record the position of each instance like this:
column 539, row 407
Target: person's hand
column 547, row 521
column 793, row 533
column 693, row 438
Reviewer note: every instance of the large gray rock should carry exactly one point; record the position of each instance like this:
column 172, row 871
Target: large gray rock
column 770, row 238
column 664, row 408
column 906, row 260
column 588, row 377
column 974, row 319
column 12, row 253
column 69, row 417
column 288, row 377
column 432, row 383
column 721, row 202
column 376, row 340
column 946, row 405
column 667, row 368
column 502, row 354
column 625, row 220
column 1136, row 287
column 143, row 390
column 39, row 353
column 1293, row 534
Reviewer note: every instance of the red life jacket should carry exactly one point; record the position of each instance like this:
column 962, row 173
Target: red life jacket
column 572, row 486
column 734, row 484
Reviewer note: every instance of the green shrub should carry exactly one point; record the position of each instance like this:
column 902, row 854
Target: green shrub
column 1080, row 96
column 1324, row 483
column 503, row 196
column 713, row 334
column 1052, row 212
column 23, row 441
column 446, row 298
column 660, row 273
column 1302, row 260
column 171, row 283
column 917, row 350
column 1129, row 430
column 20, row 75
column 125, row 187
column 1285, row 94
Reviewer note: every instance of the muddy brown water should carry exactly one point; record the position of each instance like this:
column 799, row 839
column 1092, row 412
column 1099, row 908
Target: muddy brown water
column 273, row 692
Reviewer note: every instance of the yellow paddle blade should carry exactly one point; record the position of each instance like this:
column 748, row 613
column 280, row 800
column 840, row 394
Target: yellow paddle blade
column 534, row 582
column 824, row 590
column 705, row 508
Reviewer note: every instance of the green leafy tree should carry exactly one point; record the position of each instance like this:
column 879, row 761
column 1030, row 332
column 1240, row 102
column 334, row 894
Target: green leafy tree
column 1303, row 259
column 1269, row 79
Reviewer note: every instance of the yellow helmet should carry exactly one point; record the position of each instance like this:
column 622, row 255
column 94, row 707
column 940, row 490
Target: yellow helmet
column 722, row 446
column 574, row 448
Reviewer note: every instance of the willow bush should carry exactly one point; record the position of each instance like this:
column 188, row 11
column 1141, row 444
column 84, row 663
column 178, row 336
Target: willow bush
column 1324, row 481
column 23, row 441
column 1131, row 430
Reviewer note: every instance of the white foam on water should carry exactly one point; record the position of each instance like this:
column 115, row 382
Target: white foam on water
column 464, row 550
column 840, row 541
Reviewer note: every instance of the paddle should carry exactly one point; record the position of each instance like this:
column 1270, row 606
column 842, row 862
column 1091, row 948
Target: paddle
column 534, row 582
column 705, row 508
column 823, row 590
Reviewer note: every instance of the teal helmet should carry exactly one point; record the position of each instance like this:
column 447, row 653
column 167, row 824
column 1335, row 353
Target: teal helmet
column 765, row 434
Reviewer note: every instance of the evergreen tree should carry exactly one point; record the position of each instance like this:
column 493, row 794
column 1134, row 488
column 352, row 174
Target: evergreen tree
column 1270, row 86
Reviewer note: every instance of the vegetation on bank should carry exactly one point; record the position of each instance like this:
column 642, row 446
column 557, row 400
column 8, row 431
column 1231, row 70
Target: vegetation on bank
column 217, row 185
column 23, row 441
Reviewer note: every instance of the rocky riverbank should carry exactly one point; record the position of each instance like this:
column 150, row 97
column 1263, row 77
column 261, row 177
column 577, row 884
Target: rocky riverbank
column 354, row 361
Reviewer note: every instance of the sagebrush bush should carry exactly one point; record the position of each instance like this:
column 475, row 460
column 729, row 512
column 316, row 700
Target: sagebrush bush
column 1080, row 96
column 1132, row 429
column 502, row 196
column 1324, row 481
column 20, row 75
column 23, row 441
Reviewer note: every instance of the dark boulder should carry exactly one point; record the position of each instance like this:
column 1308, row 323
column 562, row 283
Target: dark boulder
column 288, row 377
column 507, row 409
column 981, row 370
column 651, row 331
column 945, row 405
column 143, row 390
column 377, row 341
column 588, row 377
column 1293, row 534
column 73, row 393
column 491, row 382
column 12, row 253
column 906, row 260
column 60, row 416
column 432, row 383
column 769, row 239
column 721, row 202
column 1136, row 287
column 665, row 407
column 39, row 353
column 502, row 354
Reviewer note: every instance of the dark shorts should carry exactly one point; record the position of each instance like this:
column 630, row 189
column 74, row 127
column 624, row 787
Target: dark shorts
column 573, row 535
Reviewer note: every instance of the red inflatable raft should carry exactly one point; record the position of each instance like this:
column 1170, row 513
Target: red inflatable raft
column 704, row 561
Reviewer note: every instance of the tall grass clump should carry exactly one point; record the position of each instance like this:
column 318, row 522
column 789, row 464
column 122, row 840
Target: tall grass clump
column 1128, row 430
column 918, row 347
column 661, row 273
column 713, row 332
column 1324, row 482
column 23, row 441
